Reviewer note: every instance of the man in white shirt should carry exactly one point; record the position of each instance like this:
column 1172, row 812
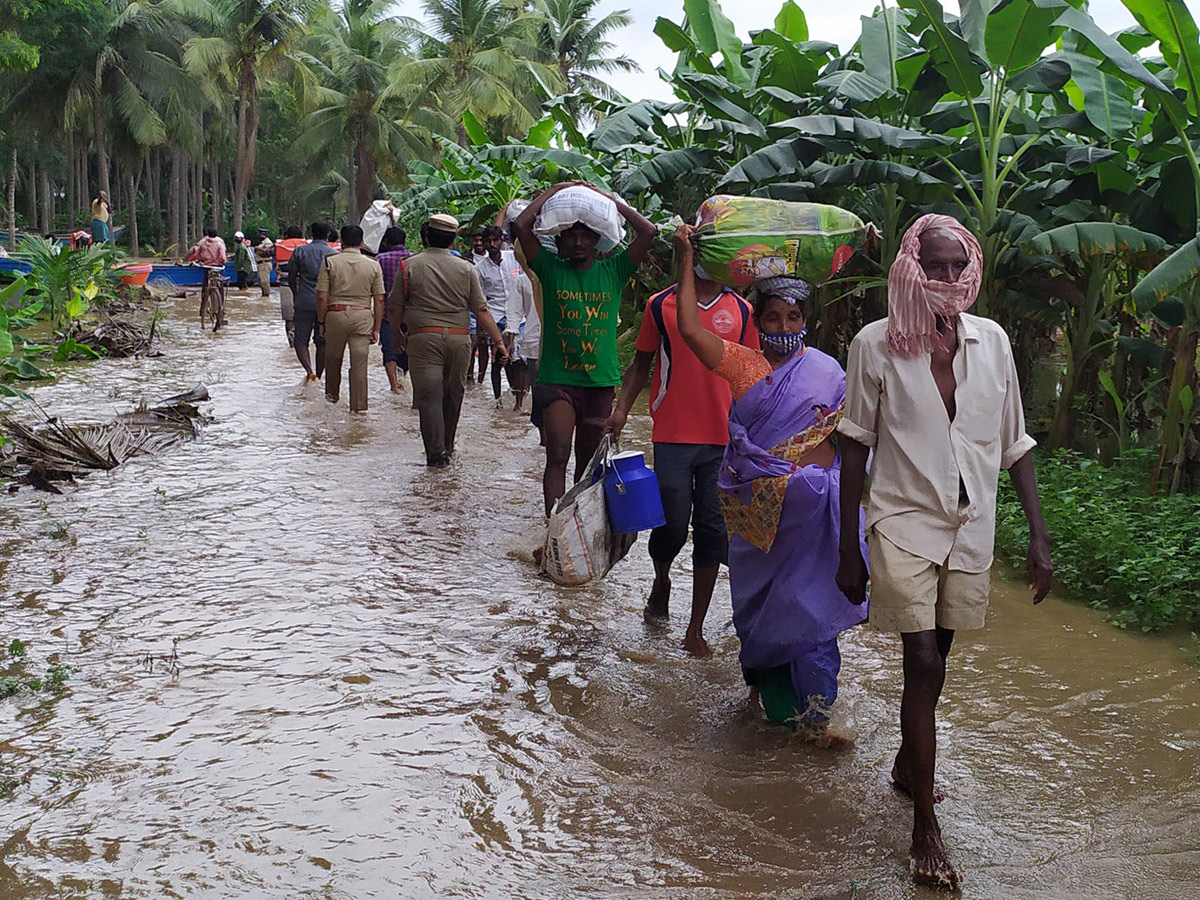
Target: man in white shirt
column 522, row 332
column 494, row 269
column 935, row 392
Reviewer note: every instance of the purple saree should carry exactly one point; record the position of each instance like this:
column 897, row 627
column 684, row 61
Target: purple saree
column 783, row 523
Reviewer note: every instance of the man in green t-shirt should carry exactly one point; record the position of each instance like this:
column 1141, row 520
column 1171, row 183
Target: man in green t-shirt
column 581, row 300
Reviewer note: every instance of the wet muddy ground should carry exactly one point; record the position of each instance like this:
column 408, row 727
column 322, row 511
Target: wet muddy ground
column 375, row 696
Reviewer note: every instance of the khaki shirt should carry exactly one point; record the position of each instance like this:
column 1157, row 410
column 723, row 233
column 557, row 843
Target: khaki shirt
column 893, row 405
column 437, row 289
column 350, row 278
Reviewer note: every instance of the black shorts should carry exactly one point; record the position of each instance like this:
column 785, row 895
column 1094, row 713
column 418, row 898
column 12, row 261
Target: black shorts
column 592, row 405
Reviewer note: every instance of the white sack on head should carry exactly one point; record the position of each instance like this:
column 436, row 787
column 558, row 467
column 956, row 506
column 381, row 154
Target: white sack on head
column 375, row 221
column 579, row 204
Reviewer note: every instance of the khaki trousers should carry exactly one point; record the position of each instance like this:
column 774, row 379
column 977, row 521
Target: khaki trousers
column 350, row 327
column 437, row 365
column 264, row 277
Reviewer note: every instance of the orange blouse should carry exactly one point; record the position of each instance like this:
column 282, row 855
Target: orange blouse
column 742, row 368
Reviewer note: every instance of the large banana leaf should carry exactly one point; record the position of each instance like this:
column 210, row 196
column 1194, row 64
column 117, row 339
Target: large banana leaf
column 849, row 131
column 1176, row 271
column 1115, row 55
column 856, row 86
column 949, row 53
column 720, row 97
column 1085, row 240
column 1017, row 31
column 688, row 163
column 890, row 54
column 1173, row 25
column 791, row 66
column 791, row 22
column 535, row 156
column 714, row 33
column 779, row 160
column 632, row 124
column 1104, row 99
column 1045, row 76
column 913, row 184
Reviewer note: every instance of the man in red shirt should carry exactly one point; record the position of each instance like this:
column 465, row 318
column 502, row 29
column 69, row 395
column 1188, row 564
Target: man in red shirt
column 690, row 408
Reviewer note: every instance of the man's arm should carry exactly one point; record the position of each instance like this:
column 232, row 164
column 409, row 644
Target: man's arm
column 485, row 321
column 707, row 346
column 293, row 276
column 322, row 294
column 852, row 569
column 396, row 301
column 378, row 317
column 646, row 230
column 637, row 376
column 522, row 226
column 1038, row 567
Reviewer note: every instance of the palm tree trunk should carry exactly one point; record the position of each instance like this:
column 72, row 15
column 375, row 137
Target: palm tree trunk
column 364, row 184
column 12, row 202
column 173, row 228
column 47, row 217
column 155, row 192
column 247, row 137
column 102, row 162
column 215, row 180
column 31, row 198
column 352, row 213
column 131, row 189
column 72, row 182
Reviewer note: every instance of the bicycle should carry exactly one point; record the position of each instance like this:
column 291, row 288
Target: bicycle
column 212, row 297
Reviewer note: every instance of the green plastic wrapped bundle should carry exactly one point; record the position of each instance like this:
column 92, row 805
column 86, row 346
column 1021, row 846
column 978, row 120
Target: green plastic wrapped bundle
column 740, row 240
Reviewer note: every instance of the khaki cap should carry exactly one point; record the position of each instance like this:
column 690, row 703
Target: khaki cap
column 443, row 222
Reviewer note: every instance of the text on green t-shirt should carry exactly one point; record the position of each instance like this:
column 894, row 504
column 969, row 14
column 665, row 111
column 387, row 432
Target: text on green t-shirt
column 579, row 319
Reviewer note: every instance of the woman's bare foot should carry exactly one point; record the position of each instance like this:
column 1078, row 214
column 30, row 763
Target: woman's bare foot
column 901, row 782
column 928, row 860
column 823, row 737
column 656, row 611
column 695, row 644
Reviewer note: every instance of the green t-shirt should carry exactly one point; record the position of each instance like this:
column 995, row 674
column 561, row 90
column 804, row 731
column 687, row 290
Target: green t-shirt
column 579, row 319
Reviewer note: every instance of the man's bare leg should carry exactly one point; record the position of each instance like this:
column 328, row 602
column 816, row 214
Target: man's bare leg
column 657, row 609
column 393, row 377
column 305, row 360
column 558, row 427
column 924, row 675
column 704, row 579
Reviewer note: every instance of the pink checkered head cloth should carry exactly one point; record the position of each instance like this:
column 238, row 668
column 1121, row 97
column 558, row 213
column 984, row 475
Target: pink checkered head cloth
column 914, row 301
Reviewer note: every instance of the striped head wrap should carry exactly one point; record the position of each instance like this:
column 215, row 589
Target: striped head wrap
column 914, row 301
column 790, row 290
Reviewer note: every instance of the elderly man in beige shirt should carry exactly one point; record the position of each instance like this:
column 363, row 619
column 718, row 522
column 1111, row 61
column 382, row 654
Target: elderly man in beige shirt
column 934, row 391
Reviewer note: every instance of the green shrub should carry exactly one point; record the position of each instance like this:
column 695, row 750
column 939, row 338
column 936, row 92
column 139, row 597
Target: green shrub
column 1115, row 546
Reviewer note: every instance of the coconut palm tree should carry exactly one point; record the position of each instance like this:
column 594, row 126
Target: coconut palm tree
column 579, row 47
column 479, row 57
column 354, row 53
column 242, row 43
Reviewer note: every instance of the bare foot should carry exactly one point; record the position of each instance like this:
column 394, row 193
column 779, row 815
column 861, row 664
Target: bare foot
column 696, row 645
column 538, row 553
column 901, row 782
column 928, row 860
column 397, row 389
column 656, row 611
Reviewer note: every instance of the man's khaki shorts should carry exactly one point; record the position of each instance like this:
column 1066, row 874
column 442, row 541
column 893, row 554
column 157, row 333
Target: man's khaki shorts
column 909, row 593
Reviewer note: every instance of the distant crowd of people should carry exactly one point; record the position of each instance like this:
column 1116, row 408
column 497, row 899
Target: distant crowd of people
column 761, row 443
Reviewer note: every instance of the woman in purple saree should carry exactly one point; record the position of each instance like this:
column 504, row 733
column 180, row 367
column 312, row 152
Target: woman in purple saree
column 779, row 493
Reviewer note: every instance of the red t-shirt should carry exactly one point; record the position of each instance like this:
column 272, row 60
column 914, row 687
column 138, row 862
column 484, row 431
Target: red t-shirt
column 689, row 403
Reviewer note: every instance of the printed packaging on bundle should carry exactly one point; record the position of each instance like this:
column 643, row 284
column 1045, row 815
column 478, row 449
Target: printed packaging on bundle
column 740, row 240
column 582, row 204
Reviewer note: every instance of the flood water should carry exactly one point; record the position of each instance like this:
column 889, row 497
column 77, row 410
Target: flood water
column 375, row 696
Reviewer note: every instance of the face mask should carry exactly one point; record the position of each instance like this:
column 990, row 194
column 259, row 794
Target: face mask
column 782, row 344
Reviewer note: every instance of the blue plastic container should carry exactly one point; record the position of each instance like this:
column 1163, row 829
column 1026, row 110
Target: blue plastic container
column 631, row 488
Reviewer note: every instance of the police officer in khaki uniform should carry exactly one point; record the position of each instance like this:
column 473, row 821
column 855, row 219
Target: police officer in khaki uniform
column 432, row 294
column 349, row 311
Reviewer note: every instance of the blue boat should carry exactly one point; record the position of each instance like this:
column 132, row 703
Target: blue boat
column 14, row 267
column 193, row 276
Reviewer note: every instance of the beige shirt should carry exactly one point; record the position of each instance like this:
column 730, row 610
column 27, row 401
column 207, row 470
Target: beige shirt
column 893, row 405
column 350, row 278
column 438, row 289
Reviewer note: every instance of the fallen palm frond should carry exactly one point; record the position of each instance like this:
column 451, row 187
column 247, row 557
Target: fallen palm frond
column 57, row 451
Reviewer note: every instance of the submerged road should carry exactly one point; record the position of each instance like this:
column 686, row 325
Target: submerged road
column 374, row 696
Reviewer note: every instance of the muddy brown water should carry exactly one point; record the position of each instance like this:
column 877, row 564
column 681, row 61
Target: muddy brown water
column 374, row 696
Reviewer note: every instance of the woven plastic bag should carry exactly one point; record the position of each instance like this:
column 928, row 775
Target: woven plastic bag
column 580, row 545
column 740, row 240
column 584, row 205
